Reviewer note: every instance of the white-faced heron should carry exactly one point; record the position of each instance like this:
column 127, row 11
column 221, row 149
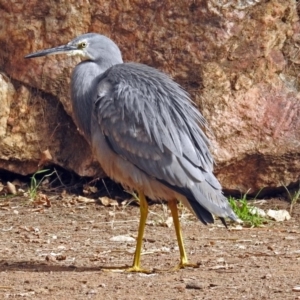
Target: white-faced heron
column 144, row 130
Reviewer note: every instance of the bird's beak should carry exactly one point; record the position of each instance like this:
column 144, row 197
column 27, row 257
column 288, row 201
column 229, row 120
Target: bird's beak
column 57, row 50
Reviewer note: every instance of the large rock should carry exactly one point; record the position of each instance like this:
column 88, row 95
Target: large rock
column 31, row 127
column 238, row 59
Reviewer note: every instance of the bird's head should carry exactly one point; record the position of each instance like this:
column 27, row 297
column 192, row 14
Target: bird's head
column 91, row 46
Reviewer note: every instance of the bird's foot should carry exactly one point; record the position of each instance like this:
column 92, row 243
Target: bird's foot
column 138, row 269
column 133, row 269
column 181, row 265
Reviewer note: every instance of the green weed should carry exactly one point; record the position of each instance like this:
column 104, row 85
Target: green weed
column 35, row 183
column 246, row 212
column 293, row 197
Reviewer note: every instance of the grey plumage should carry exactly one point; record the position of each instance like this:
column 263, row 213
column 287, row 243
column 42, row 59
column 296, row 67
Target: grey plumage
column 143, row 127
column 150, row 121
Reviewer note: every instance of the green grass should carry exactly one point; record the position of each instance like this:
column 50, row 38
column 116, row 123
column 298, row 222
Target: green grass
column 242, row 209
column 293, row 197
column 35, row 183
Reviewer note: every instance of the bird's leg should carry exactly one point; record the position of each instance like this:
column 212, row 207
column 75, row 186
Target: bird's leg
column 137, row 255
column 143, row 217
column 183, row 257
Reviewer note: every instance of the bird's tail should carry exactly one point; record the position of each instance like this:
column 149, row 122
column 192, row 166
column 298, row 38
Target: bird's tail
column 206, row 199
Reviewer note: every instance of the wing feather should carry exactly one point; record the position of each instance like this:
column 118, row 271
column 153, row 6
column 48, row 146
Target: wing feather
column 151, row 122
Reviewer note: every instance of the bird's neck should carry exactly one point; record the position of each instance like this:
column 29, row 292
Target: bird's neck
column 83, row 91
column 106, row 62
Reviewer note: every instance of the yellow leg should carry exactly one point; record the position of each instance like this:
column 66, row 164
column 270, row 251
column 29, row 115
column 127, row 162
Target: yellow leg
column 143, row 217
column 183, row 257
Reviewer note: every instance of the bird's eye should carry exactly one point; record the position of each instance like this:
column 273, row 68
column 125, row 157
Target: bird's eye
column 82, row 45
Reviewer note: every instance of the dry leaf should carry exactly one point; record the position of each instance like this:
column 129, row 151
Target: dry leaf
column 114, row 202
column 104, row 201
column 123, row 203
column 87, row 190
column 108, row 201
column 42, row 199
column 82, row 199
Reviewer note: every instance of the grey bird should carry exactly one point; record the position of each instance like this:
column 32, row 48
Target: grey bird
column 145, row 132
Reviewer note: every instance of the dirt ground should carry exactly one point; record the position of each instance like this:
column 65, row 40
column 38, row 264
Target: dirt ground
column 57, row 249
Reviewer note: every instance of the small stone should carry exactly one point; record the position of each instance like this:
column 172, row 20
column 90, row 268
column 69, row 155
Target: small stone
column 194, row 285
column 279, row 215
column 61, row 247
column 296, row 288
column 168, row 223
column 91, row 292
column 50, row 258
column 122, row 238
column 257, row 211
column 165, row 249
column 11, row 188
column 61, row 257
column 237, row 227
column 180, row 287
column 242, row 247
column 267, row 276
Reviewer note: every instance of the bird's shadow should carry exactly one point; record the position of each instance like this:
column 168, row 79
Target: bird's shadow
column 31, row 266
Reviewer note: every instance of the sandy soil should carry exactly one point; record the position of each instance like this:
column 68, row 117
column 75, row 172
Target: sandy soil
column 57, row 249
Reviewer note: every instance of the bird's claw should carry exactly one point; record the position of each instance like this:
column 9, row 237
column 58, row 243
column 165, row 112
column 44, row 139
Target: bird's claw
column 133, row 269
column 136, row 269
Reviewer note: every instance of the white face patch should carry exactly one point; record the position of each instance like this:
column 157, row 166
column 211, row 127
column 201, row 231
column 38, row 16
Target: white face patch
column 77, row 52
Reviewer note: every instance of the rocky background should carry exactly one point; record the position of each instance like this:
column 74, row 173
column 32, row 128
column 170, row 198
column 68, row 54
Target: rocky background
column 239, row 60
